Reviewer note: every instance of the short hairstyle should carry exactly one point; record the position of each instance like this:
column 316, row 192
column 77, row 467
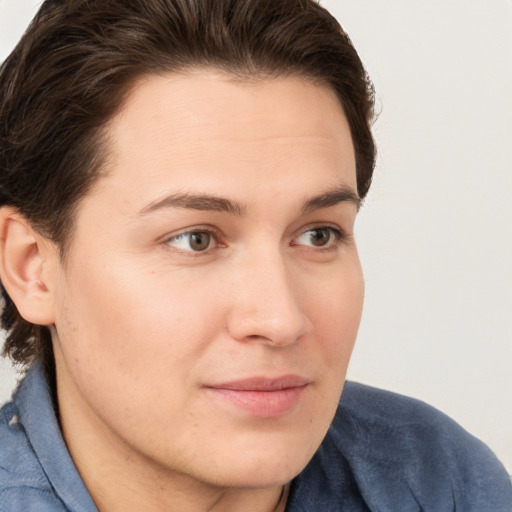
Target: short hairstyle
column 76, row 63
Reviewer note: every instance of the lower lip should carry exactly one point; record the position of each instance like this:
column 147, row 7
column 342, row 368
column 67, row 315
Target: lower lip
column 263, row 404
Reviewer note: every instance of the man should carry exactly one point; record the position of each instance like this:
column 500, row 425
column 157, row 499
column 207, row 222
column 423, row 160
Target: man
column 180, row 181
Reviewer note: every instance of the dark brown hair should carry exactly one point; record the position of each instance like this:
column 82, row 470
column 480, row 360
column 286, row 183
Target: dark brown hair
column 74, row 66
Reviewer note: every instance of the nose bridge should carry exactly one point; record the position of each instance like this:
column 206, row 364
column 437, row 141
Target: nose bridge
column 266, row 304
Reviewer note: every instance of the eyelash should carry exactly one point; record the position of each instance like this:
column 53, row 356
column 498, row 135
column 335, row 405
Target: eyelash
column 214, row 234
column 339, row 236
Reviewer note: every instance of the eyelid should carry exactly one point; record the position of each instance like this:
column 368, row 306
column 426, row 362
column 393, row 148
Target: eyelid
column 340, row 235
column 215, row 233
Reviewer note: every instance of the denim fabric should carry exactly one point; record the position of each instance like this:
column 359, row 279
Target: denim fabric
column 383, row 453
column 36, row 470
column 388, row 453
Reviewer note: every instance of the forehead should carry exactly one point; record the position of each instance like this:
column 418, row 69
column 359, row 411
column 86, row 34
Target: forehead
column 204, row 97
column 204, row 131
column 212, row 105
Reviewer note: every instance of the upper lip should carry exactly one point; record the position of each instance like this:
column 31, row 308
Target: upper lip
column 263, row 383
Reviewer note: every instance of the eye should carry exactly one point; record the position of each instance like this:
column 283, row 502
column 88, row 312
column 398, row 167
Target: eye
column 195, row 241
column 319, row 237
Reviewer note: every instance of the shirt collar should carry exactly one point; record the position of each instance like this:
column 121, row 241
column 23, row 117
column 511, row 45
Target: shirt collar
column 37, row 415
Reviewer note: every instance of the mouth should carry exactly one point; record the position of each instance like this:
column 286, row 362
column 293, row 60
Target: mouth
column 261, row 397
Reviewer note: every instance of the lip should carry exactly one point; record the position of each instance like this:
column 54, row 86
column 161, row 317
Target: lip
column 261, row 397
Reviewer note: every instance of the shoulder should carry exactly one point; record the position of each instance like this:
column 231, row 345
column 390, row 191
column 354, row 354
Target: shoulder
column 404, row 444
column 390, row 452
column 23, row 483
column 400, row 426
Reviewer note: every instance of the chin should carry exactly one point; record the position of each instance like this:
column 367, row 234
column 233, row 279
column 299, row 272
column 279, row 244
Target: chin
column 257, row 466
column 272, row 473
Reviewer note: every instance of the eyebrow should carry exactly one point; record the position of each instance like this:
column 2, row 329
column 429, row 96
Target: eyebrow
column 195, row 202
column 332, row 198
column 220, row 204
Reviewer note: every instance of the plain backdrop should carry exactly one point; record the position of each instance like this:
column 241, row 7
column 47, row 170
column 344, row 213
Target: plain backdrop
column 435, row 234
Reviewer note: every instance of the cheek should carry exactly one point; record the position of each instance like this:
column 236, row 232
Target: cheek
column 336, row 307
column 130, row 326
column 336, row 314
column 130, row 342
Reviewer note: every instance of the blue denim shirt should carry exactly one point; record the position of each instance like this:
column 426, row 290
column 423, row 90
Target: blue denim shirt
column 383, row 453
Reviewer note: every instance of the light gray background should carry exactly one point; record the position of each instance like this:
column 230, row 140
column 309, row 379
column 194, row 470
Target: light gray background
column 435, row 234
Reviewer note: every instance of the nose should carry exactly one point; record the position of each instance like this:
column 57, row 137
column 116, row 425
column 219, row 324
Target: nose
column 267, row 303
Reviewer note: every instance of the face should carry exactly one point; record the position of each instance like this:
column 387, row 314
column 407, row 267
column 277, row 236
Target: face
column 209, row 303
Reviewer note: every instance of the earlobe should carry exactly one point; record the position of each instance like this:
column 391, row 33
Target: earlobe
column 24, row 267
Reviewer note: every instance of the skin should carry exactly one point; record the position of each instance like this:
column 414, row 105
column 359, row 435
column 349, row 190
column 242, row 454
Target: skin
column 143, row 324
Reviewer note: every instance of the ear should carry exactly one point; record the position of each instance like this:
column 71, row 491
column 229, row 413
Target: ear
column 27, row 267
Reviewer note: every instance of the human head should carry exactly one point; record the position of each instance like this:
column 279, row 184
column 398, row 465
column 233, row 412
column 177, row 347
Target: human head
column 76, row 63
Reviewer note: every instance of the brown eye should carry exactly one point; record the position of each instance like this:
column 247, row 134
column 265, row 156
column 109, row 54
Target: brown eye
column 199, row 241
column 320, row 237
column 192, row 241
